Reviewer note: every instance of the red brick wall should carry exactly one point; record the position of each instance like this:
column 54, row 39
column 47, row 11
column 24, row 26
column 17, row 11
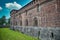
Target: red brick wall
column 48, row 16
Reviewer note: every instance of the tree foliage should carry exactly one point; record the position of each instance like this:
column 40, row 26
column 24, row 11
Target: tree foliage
column 2, row 20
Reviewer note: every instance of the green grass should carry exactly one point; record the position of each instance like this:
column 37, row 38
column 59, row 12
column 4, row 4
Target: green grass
column 7, row 34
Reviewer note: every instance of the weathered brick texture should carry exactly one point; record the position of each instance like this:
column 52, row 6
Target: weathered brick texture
column 46, row 12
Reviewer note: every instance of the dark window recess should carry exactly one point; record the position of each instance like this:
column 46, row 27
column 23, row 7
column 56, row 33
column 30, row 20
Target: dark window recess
column 52, row 35
column 26, row 22
column 35, row 22
column 38, row 34
column 38, row 9
column 20, row 23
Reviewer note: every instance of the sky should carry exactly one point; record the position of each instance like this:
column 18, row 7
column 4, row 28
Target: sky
column 7, row 5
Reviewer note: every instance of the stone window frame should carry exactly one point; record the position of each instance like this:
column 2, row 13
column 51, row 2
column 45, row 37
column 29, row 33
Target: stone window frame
column 38, row 8
column 21, row 23
column 35, row 21
column 26, row 21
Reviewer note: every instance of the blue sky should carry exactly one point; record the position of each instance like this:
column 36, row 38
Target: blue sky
column 7, row 5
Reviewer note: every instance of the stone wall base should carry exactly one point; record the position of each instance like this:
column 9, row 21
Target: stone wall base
column 43, row 33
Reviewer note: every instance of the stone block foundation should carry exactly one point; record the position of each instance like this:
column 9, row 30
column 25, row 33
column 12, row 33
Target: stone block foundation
column 43, row 33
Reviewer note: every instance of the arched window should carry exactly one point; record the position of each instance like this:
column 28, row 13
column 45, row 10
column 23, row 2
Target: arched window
column 35, row 22
column 26, row 22
column 20, row 20
column 20, row 23
column 38, row 8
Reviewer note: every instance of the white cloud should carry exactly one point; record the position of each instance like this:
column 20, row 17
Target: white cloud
column 0, row 8
column 13, row 6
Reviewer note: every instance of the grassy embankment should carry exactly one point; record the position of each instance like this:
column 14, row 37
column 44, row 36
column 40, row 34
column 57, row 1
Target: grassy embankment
column 7, row 34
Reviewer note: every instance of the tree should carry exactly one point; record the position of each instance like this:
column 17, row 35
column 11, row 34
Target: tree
column 2, row 20
column 8, row 22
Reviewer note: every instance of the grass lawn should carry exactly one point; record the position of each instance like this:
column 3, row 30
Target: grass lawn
column 7, row 34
